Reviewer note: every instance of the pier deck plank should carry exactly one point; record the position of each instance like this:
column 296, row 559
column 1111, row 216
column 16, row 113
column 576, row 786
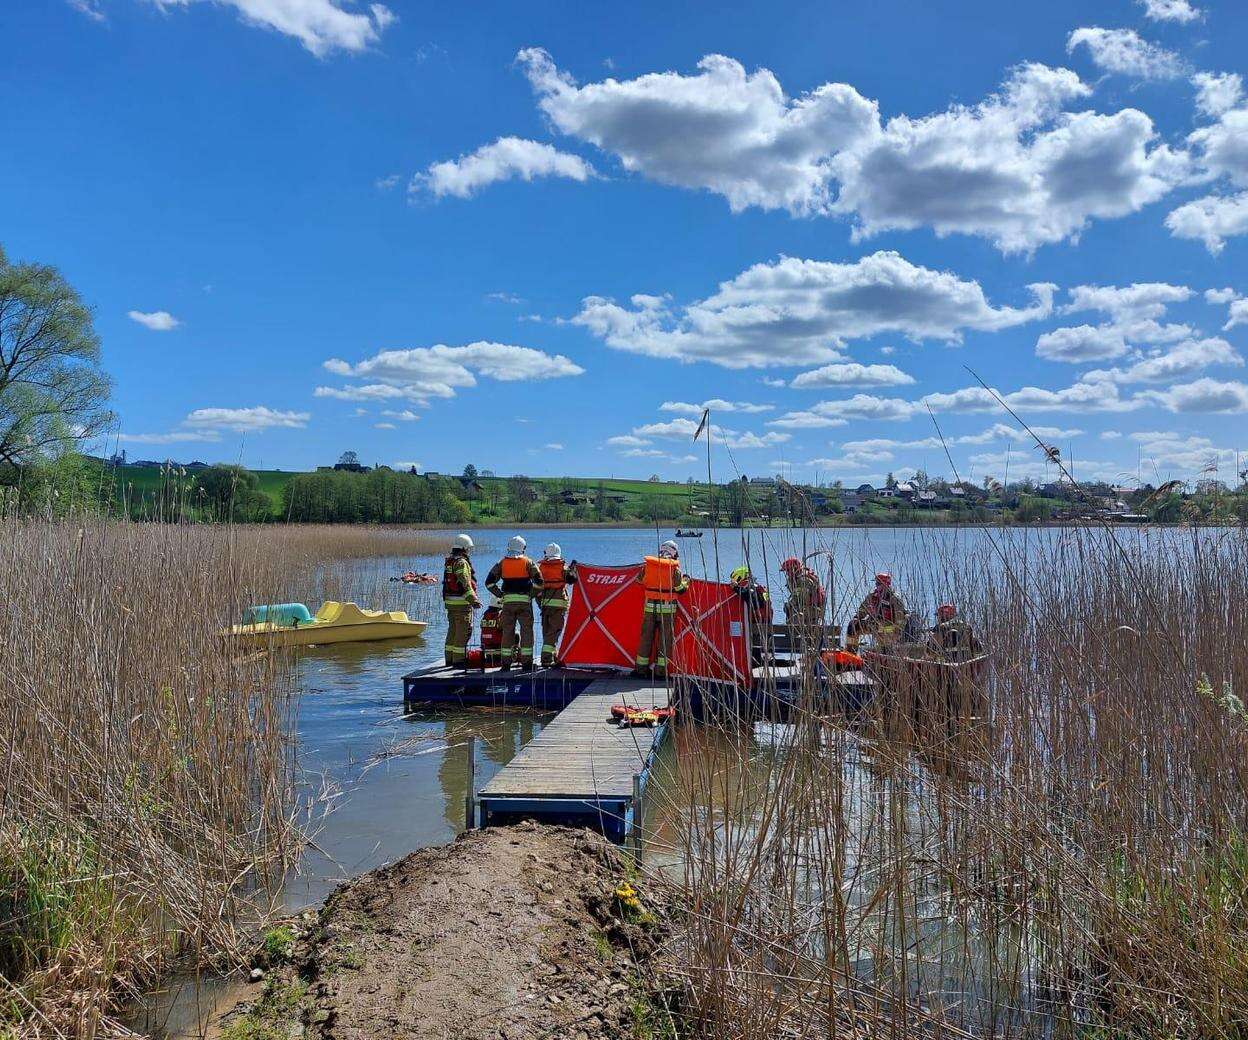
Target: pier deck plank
column 581, row 754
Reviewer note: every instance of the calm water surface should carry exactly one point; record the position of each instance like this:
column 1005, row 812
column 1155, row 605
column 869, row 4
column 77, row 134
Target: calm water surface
column 398, row 784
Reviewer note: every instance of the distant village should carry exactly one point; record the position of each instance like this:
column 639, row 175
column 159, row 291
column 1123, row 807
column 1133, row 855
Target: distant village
column 769, row 499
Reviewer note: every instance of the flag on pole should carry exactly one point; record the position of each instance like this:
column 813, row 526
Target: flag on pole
column 706, row 415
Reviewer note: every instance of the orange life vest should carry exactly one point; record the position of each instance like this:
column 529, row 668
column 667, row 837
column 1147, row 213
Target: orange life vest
column 515, row 575
column 660, row 578
column 552, row 575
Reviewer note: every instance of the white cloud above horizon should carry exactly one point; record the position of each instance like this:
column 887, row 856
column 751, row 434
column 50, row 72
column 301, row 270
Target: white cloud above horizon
column 508, row 158
column 322, row 26
column 1017, row 168
column 156, row 321
column 421, row 374
column 792, row 311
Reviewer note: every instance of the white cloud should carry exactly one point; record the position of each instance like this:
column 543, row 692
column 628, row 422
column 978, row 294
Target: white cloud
column 369, row 392
column 506, row 159
column 320, row 25
column 173, row 437
column 1127, row 303
column 244, row 420
column 851, row 374
column 837, row 413
column 1110, row 435
column 553, row 446
column 405, row 415
column 1217, row 92
column 1211, row 220
column 1177, row 362
column 774, row 383
column 1203, row 396
column 1180, row 11
column 388, row 182
column 715, row 404
column 1223, row 146
column 723, row 129
column 1190, row 454
column 157, row 321
column 1000, row 431
column 1237, row 315
column 91, row 8
column 794, row 311
column 1016, row 168
column 1081, row 343
column 405, row 466
column 684, row 429
column 627, row 440
column 505, row 297
column 421, row 373
column 384, row 426
column 1124, row 51
column 1220, row 296
column 1084, row 396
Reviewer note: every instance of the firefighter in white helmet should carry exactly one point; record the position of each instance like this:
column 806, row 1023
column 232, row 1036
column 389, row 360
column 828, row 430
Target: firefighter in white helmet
column 459, row 597
column 553, row 602
column 516, row 581
column 663, row 581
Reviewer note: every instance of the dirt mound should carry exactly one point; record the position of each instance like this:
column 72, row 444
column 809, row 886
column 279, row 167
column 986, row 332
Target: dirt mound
column 511, row 933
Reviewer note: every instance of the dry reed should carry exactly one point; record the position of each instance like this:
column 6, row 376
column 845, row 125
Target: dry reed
column 1067, row 858
column 146, row 771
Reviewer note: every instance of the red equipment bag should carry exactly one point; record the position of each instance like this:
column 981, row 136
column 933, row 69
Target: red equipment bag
column 603, row 626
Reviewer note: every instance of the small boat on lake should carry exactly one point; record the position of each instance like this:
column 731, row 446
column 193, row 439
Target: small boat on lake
column 688, row 534
column 291, row 624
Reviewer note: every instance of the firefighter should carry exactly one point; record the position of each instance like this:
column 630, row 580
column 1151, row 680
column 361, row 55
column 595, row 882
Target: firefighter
column 803, row 611
column 882, row 614
column 952, row 638
column 663, row 581
column 757, row 602
column 516, row 580
column 553, row 603
column 459, row 597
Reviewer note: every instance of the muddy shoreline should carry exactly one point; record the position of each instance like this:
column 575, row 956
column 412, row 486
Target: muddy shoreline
column 504, row 934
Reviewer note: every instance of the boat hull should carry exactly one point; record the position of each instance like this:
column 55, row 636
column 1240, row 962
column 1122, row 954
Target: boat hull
column 334, row 623
column 323, row 635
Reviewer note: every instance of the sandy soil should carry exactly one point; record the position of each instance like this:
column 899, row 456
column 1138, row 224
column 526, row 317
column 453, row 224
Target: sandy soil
column 512, row 933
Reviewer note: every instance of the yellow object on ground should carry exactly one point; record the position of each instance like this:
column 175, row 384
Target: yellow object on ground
column 333, row 623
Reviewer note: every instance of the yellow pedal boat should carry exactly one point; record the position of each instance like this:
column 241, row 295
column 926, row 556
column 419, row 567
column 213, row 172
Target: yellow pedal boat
column 290, row 624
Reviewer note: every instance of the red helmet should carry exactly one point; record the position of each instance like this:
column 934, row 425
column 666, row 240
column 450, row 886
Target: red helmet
column 946, row 612
column 884, row 579
column 791, row 565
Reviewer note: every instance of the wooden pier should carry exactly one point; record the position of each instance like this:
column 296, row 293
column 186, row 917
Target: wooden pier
column 582, row 768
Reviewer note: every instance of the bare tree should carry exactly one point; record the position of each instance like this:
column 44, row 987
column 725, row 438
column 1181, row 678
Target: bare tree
column 53, row 394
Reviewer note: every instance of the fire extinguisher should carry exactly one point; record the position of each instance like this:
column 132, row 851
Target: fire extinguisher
column 491, row 633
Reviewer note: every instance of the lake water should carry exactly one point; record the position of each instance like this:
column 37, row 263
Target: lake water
column 398, row 784
column 382, row 785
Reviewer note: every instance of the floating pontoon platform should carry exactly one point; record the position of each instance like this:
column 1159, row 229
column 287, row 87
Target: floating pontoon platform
column 582, row 768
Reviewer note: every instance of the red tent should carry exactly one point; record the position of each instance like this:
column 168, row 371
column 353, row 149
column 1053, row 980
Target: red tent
column 604, row 625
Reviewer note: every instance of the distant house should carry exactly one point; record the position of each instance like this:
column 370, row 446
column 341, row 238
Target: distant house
column 471, row 485
column 926, row 498
column 763, row 481
column 351, row 467
column 865, row 490
column 885, row 492
column 851, row 501
column 957, row 492
column 906, row 490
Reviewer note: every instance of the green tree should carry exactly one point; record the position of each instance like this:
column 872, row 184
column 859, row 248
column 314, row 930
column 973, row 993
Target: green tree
column 470, row 472
column 53, row 394
column 233, row 493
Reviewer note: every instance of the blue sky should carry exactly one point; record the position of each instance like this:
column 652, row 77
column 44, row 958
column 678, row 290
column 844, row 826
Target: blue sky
column 507, row 235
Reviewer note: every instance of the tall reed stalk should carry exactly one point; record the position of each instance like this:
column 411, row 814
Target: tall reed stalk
column 1066, row 856
column 145, row 768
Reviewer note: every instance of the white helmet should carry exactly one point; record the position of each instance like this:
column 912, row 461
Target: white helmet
column 462, row 541
column 553, row 552
column 516, row 546
column 669, row 550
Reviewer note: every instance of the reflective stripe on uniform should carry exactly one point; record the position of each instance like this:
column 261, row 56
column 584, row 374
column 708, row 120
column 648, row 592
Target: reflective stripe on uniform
column 456, row 601
column 659, row 607
column 554, row 604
